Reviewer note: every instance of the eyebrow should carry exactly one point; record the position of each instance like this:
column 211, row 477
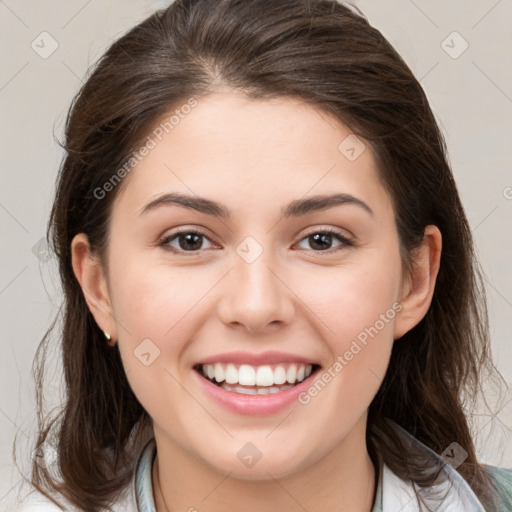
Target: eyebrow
column 295, row 208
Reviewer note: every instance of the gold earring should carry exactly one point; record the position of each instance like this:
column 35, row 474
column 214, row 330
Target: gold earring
column 107, row 335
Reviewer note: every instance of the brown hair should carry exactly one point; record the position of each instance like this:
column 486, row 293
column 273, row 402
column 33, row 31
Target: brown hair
column 325, row 54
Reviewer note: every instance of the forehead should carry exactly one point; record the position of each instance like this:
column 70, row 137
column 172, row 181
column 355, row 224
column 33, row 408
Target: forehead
column 252, row 152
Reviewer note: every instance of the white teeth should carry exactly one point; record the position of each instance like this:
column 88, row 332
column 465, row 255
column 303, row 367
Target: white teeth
column 219, row 372
column 246, row 375
column 291, row 374
column 231, row 374
column 245, row 391
column 280, row 375
column 265, row 376
column 255, row 391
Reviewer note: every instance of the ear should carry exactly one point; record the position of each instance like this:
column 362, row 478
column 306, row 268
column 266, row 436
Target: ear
column 418, row 289
column 91, row 277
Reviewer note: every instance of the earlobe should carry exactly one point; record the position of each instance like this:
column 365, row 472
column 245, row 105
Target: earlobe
column 91, row 276
column 419, row 290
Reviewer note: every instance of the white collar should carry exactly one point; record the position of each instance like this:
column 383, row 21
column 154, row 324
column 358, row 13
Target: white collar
column 451, row 494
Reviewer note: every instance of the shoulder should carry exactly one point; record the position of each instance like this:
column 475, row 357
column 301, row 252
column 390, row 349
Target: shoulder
column 125, row 501
column 37, row 502
column 502, row 478
column 502, row 475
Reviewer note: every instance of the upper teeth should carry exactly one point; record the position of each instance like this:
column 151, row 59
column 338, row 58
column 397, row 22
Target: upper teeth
column 266, row 375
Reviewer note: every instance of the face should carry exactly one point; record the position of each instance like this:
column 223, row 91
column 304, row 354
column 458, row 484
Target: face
column 268, row 291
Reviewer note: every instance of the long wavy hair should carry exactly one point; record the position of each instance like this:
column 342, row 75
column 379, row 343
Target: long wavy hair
column 327, row 55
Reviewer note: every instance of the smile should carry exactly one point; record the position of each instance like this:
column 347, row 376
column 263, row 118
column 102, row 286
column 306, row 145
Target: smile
column 256, row 380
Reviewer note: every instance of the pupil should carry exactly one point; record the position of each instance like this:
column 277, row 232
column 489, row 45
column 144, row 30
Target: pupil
column 322, row 237
column 187, row 237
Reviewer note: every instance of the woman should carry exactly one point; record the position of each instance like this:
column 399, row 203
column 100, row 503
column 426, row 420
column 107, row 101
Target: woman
column 272, row 299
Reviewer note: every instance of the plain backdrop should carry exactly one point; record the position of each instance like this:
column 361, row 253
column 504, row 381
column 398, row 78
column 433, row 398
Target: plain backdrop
column 460, row 51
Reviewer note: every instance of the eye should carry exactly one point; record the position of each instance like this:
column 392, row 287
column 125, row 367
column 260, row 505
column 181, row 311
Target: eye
column 188, row 241
column 191, row 241
column 321, row 239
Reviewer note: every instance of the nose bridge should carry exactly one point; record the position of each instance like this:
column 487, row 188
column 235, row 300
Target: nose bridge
column 255, row 295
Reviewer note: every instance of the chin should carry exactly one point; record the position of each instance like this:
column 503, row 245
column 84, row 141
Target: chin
column 266, row 468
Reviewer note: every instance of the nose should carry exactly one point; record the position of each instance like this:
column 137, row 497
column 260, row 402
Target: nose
column 255, row 297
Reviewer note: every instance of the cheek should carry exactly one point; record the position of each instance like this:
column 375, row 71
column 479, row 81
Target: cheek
column 355, row 302
column 156, row 309
column 365, row 311
column 362, row 321
column 357, row 308
column 154, row 300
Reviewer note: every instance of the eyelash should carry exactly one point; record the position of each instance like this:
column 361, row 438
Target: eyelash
column 164, row 242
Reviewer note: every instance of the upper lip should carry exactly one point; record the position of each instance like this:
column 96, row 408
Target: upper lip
column 252, row 359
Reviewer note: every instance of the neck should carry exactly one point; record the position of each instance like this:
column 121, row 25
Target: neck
column 344, row 480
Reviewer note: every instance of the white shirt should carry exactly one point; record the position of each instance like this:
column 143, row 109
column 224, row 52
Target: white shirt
column 393, row 494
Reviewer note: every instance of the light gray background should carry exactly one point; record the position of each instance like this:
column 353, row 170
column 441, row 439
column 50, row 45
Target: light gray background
column 471, row 96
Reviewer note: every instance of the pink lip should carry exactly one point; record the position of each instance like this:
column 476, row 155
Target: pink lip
column 256, row 359
column 253, row 405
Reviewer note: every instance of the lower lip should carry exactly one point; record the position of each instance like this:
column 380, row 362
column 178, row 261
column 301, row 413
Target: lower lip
column 254, row 405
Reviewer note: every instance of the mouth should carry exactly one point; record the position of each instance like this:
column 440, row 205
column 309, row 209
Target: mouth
column 248, row 379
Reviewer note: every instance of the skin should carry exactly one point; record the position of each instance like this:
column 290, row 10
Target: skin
column 255, row 156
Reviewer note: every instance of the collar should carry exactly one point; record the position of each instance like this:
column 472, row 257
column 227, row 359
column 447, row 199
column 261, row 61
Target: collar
column 451, row 494
column 142, row 484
